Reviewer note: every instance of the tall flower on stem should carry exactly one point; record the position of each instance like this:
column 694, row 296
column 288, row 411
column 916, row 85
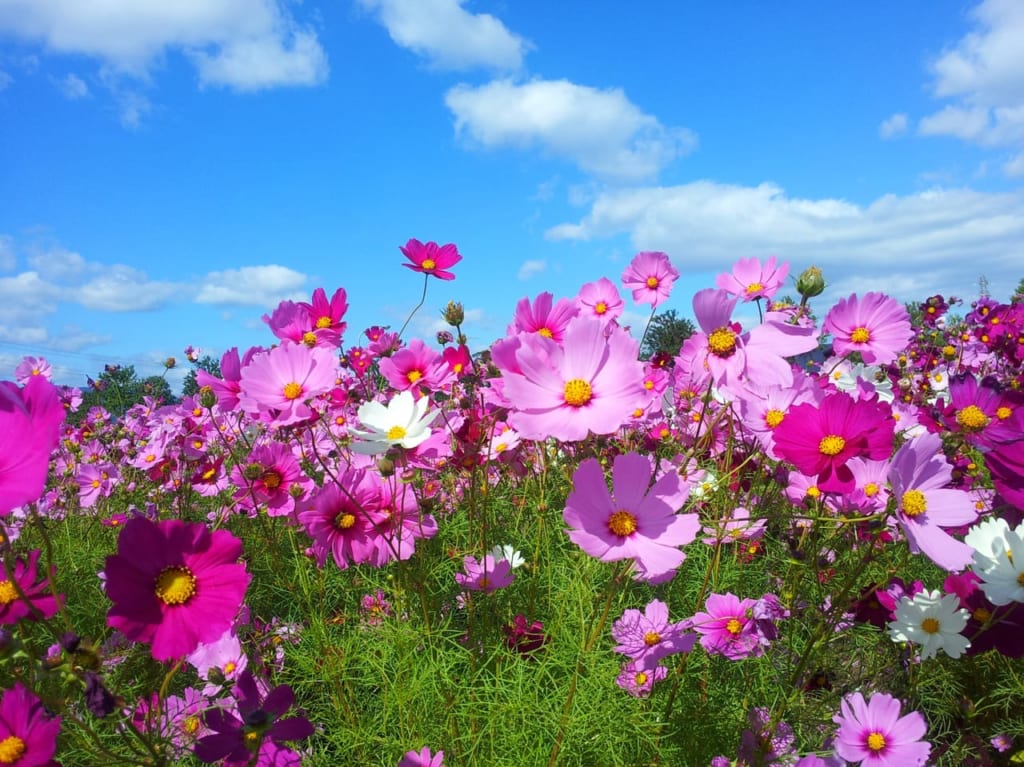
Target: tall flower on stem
column 873, row 734
column 650, row 275
column 431, row 260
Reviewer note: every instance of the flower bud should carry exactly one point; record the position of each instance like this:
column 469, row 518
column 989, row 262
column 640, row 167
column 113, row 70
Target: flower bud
column 170, row 362
column 810, row 283
column 454, row 314
column 207, row 397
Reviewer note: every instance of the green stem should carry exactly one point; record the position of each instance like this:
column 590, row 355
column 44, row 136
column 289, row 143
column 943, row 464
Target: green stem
column 423, row 299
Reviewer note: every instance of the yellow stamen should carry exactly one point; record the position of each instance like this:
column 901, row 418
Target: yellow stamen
column 600, row 308
column 652, row 282
column 344, row 521
column 860, row 336
column 914, row 503
column 722, row 342
column 773, row 418
column 396, row 433
column 734, row 627
column 652, row 638
column 876, row 741
column 930, row 625
column 175, row 585
column 413, row 376
column 622, row 523
column 292, row 390
column 12, row 748
column 833, row 444
column 324, row 322
column 546, row 332
column 577, row 392
column 754, row 287
column 972, row 418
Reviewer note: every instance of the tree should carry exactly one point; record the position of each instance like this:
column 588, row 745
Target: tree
column 666, row 334
column 118, row 387
column 189, row 387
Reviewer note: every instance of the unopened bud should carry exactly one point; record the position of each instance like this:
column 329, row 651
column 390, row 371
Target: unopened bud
column 810, row 283
column 207, row 397
column 454, row 314
column 170, row 362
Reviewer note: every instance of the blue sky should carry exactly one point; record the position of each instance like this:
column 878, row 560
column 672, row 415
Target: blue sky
column 169, row 171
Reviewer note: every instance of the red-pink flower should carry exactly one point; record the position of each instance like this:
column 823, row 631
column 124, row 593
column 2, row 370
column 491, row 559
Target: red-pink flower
column 28, row 733
column 650, row 275
column 543, row 317
column 875, row 326
column 728, row 627
column 30, row 421
column 174, row 584
column 432, row 259
column 40, row 601
column 325, row 316
column 415, row 367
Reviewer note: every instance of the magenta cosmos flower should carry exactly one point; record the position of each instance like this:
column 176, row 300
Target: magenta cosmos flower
column 40, row 600
column 422, row 758
column 28, row 735
column 873, row 733
column 749, row 280
column 431, row 259
column 544, row 316
column 325, row 316
column 728, row 627
column 174, row 584
column 592, row 382
column 875, row 326
column 30, row 421
column 650, row 275
column 820, row 439
column 635, row 521
column 279, row 384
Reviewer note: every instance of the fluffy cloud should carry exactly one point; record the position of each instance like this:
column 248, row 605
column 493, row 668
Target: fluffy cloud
column 73, row 87
column 893, row 126
column 449, row 36
column 26, row 295
column 121, row 288
column 222, row 37
column 935, row 241
column 601, row 131
column 262, row 286
column 530, row 268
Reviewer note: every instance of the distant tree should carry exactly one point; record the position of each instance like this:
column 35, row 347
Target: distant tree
column 666, row 334
column 118, row 387
column 189, row 387
column 1018, row 294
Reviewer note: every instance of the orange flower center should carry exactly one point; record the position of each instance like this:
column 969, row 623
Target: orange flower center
column 734, row 627
column 972, row 418
column 622, row 523
column 12, row 748
column 930, row 625
column 428, row 264
column 722, row 342
column 833, row 444
column 773, row 418
column 577, row 392
column 292, row 390
column 876, row 741
column 860, row 336
column 652, row 282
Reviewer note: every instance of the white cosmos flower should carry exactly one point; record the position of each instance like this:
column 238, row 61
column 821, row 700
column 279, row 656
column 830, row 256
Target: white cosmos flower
column 509, row 554
column 998, row 560
column 933, row 621
column 404, row 422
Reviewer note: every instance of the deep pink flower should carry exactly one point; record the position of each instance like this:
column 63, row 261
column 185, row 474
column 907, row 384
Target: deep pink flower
column 920, row 478
column 650, row 275
column 600, row 299
column 266, row 479
column 414, row 368
column 750, row 280
column 590, row 383
column 431, row 259
column 876, row 326
column 174, row 584
column 28, row 734
column 873, row 733
column 279, row 384
column 636, row 521
column 544, row 316
column 30, row 421
column 325, row 316
column 345, row 520
column 728, row 627
column 820, row 439
column 422, row 758
column 12, row 607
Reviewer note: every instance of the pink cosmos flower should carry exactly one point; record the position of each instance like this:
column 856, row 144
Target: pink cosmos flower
column 279, row 384
column 543, row 317
column 638, row 680
column 227, row 387
column 820, row 439
column 28, row 733
column 488, row 575
column 650, row 275
column 600, row 299
column 30, row 421
column 920, row 478
column 266, row 478
column 30, row 367
column 422, row 758
column 325, row 316
column 431, row 259
column 873, row 734
column 636, row 521
column 875, row 326
column 590, row 383
column 40, row 600
column 174, row 584
column 728, row 627
column 737, row 359
column 648, row 637
column 344, row 522
column 415, row 367
column 750, row 280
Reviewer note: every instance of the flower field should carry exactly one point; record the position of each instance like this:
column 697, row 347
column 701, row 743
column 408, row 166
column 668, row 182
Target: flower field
column 799, row 542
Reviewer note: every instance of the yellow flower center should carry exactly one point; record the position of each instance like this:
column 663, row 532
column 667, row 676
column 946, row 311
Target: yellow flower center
column 1003, row 413
column 323, row 322
column 948, row 351
column 833, row 444
column 622, row 523
column 577, row 392
column 546, row 332
column 640, row 679
column 652, row 638
column 652, row 282
column 930, row 625
column 428, row 264
column 981, row 615
column 309, row 338
column 292, row 390
column 413, row 376
column 191, row 725
column 876, row 741
column 734, row 627
column 175, row 585
column 860, row 336
column 813, row 492
column 871, row 489
column 7, row 593
column 344, row 521
column 914, row 503
column 95, row 483
column 271, row 479
column 722, row 342
column 773, row 418
column 600, row 308
column 12, row 748
column 396, row 433
column 754, row 287
column 972, row 418
column 230, row 666
column 648, row 384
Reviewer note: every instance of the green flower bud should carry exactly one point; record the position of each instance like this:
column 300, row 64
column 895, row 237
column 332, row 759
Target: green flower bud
column 810, row 283
column 454, row 314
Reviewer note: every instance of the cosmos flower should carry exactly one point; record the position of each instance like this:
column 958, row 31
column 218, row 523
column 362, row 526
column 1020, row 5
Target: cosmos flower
column 174, row 584
column 876, row 326
column 749, row 280
column 647, row 637
column 30, row 421
column 728, row 627
column 488, row 575
column 650, row 275
column 404, row 422
column 422, row 758
column 638, row 680
column 40, row 600
column 543, row 316
column 28, row 734
column 279, row 384
column 600, row 299
column 932, row 620
column 873, row 734
column 431, row 259
column 998, row 560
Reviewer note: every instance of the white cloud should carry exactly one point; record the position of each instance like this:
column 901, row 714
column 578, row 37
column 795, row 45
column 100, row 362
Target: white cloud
column 73, row 87
column 530, row 268
column 121, row 288
column 602, row 131
column 936, row 240
column 56, row 263
column 128, row 36
column 449, row 36
column 1015, row 167
column 893, row 126
column 26, row 295
column 263, row 286
column 7, row 259
column 968, row 124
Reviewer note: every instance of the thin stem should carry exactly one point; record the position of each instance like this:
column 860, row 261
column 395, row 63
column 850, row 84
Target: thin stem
column 423, row 299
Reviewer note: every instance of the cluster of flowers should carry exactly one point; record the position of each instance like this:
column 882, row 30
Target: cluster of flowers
column 838, row 439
